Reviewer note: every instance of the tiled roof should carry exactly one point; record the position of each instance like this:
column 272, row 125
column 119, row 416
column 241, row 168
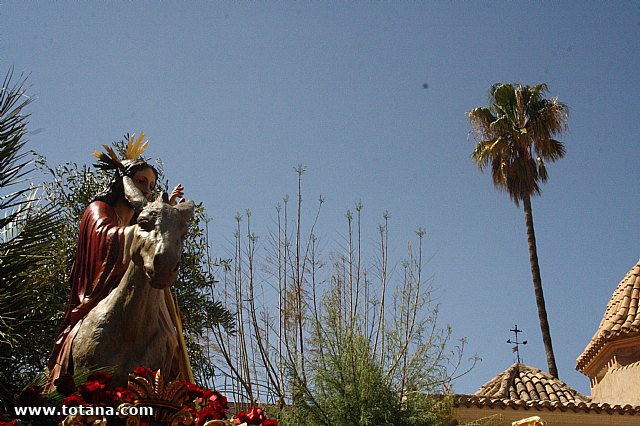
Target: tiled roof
column 586, row 407
column 525, row 383
column 621, row 318
column 522, row 386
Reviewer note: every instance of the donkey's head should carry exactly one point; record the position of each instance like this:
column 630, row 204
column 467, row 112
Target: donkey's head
column 161, row 230
column 158, row 242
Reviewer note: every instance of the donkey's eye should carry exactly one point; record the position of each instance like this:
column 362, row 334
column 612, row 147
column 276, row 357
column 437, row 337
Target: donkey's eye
column 145, row 223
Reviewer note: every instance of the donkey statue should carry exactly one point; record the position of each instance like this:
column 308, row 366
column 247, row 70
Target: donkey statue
column 132, row 326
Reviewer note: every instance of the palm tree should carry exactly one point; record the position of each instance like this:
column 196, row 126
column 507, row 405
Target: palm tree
column 515, row 137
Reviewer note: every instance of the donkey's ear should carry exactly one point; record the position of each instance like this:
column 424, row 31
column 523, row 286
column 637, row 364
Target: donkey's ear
column 186, row 209
column 165, row 197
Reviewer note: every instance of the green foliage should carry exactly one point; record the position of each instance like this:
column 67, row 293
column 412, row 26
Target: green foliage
column 27, row 228
column 351, row 382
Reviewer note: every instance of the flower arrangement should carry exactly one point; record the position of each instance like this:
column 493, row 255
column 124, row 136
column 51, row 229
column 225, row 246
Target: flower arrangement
column 209, row 408
column 176, row 402
column 254, row 416
column 95, row 391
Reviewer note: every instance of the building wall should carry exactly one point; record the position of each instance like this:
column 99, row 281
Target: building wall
column 504, row 417
column 619, row 386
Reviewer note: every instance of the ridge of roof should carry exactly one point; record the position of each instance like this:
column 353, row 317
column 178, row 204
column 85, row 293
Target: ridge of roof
column 621, row 317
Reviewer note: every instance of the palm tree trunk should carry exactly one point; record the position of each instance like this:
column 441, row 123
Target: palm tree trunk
column 537, row 287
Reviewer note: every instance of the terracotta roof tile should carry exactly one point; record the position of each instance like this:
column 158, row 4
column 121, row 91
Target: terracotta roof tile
column 587, row 407
column 621, row 317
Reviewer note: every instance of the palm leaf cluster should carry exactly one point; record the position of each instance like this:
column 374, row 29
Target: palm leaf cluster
column 27, row 228
column 13, row 163
column 515, row 137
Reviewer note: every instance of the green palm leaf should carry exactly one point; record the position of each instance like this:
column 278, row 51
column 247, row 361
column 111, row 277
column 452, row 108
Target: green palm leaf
column 27, row 229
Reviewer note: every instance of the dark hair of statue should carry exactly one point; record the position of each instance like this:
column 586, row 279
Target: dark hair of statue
column 115, row 190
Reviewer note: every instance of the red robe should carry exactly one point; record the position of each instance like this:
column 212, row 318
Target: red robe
column 98, row 269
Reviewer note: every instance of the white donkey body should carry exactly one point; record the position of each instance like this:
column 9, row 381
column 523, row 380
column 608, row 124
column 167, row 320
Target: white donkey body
column 132, row 326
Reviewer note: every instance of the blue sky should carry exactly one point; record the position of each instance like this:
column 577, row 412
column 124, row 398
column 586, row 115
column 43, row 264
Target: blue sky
column 233, row 95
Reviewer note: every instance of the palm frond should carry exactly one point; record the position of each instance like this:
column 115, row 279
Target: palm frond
column 555, row 114
column 538, row 90
column 515, row 135
column 25, row 243
column 13, row 166
column 135, row 149
column 501, row 126
column 550, row 150
column 542, row 170
column 498, row 173
column 503, row 95
column 486, row 152
column 481, row 119
column 107, row 160
column 27, row 227
column 482, row 154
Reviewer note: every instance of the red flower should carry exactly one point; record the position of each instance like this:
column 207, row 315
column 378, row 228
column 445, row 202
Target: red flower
column 218, row 400
column 11, row 423
column 206, row 394
column 270, row 422
column 193, row 389
column 65, row 384
column 91, row 386
column 100, row 377
column 104, row 399
column 73, row 400
column 143, row 372
column 190, row 409
column 241, row 418
column 255, row 415
column 123, row 395
column 91, row 389
column 206, row 414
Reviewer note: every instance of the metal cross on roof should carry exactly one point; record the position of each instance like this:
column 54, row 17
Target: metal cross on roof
column 515, row 342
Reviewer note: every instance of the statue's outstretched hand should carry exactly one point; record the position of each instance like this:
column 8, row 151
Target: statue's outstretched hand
column 178, row 192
